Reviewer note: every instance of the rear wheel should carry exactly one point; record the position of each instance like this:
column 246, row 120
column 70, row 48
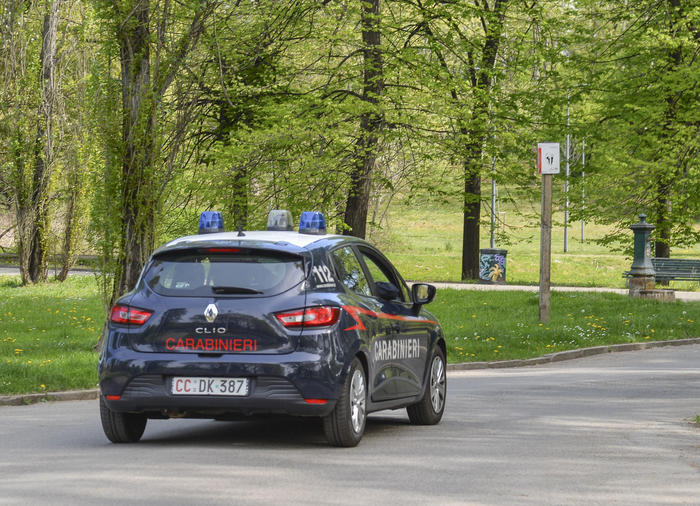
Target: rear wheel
column 428, row 411
column 121, row 427
column 346, row 423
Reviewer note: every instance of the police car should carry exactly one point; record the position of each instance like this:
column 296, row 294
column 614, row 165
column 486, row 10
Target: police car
column 222, row 324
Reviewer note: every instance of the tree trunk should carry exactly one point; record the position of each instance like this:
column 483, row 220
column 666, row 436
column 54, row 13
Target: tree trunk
column 142, row 94
column 662, row 244
column 33, row 217
column 239, row 198
column 236, row 206
column 476, row 138
column 138, row 199
column 371, row 123
column 76, row 172
column 471, row 218
column 69, row 233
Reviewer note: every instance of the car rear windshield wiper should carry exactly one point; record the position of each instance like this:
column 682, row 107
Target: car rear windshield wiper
column 233, row 289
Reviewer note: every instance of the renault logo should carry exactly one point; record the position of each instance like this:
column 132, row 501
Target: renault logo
column 211, row 312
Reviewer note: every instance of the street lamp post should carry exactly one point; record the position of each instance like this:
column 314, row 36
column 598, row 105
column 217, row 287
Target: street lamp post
column 583, row 187
column 566, row 181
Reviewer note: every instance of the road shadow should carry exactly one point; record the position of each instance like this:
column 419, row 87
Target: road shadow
column 278, row 431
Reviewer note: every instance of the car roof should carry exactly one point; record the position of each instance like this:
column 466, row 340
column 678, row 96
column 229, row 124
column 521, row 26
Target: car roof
column 255, row 238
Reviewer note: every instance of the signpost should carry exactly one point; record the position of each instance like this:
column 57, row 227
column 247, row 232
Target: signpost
column 547, row 165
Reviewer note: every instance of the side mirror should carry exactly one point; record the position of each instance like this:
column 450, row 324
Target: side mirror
column 387, row 291
column 422, row 293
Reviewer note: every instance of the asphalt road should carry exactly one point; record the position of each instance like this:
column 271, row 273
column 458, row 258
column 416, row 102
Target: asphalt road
column 609, row 429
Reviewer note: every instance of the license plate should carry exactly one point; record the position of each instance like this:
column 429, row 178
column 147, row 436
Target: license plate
column 186, row 385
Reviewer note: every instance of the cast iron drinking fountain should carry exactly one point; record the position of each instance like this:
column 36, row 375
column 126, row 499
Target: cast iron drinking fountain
column 641, row 281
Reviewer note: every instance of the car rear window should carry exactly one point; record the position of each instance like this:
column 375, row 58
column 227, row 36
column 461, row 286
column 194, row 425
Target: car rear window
column 236, row 274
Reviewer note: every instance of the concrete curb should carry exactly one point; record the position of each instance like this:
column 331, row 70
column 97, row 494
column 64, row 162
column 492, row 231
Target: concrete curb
column 81, row 395
column 70, row 395
column 570, row 355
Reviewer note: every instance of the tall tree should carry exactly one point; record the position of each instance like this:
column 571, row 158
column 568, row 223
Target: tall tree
column 33, row 158
column 154, row 41
column 465, row 41
column 641, row 60
column 371, row 121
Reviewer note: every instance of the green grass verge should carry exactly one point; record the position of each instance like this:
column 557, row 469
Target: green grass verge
column 488, row 326
column 47, row 332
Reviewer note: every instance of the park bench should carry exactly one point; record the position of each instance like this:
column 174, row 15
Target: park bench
column 680, row 269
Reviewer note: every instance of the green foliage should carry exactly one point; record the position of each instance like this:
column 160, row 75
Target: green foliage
column 249, row 106
column 638, row 80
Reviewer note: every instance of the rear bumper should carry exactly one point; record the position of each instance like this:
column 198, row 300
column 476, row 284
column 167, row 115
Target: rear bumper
column 278, row 383
column 267, row 394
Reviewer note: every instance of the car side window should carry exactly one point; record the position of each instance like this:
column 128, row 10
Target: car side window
column 381, row 272
column 350, row 271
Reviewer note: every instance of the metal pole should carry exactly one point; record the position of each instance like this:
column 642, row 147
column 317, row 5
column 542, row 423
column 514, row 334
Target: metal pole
column 493, row 203
column 566, row 183
column 583, row 188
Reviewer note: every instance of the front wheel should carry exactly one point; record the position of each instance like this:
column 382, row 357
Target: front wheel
column 346, row 423
column 121, row 427
column 429, row 410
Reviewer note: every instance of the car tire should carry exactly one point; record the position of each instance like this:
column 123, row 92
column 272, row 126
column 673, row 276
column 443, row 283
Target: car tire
column 346, row 423
column 121, row 427
column 429, row 410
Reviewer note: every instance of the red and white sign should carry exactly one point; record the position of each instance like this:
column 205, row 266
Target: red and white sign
column 548, row 158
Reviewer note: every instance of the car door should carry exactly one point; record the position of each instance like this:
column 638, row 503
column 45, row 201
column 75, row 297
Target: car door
column 399, row 355
column 366, row 310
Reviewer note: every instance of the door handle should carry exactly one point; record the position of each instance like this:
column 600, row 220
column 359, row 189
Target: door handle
column 395, row 328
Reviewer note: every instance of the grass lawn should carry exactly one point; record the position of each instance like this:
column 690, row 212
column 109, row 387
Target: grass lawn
column 47, row 332
column 486, row 326
column 425, row 243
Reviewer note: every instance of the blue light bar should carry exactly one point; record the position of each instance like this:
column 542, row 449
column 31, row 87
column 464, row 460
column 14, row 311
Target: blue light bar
column 211, row 222
column 279, row 219
column 312, row 222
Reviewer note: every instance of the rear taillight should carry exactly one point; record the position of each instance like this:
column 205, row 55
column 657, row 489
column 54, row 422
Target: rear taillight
column 128, row 315
column 320, row 316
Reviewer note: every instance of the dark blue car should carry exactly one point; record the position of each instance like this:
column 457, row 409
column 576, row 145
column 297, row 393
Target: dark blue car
column 227, row 324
